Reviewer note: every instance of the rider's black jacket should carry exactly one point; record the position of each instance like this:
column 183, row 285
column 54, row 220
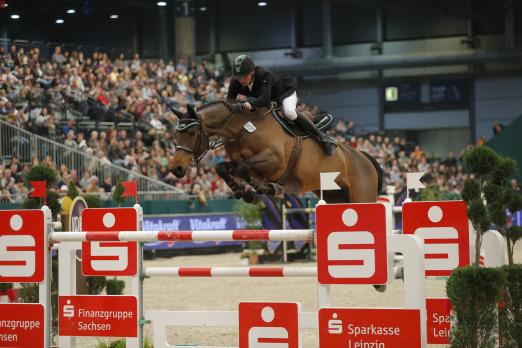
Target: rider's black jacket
column 267, row 87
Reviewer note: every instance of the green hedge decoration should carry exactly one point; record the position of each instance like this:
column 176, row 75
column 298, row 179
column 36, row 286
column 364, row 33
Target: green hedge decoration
column 93, row 201
column 95, row 285
column 115, row 287
column 511, row 310
column 474, row 293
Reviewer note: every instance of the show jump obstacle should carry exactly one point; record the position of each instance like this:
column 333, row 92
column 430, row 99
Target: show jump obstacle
column 355, row 246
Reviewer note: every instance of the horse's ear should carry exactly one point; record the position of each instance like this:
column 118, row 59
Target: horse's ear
column 176, row 112
column 192, row 112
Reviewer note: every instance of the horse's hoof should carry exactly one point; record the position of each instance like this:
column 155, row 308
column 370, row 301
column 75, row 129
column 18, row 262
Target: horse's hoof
column 238, row 195
column 250, row 197
column 380, row 288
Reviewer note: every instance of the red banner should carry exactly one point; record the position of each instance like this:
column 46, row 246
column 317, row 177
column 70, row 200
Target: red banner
column 351, row 244
column 438, row 320
column 22, row 325
column 22, row 246
column 444, row 228
column 269, row 324
column 103, row 316
column 130, row 189
column 109, row 258
column 369, row 327
column 38, row 189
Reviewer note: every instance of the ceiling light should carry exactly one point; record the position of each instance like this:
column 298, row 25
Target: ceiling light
column 15, row 16
column 6, row 5
column 114, row 16
column 202, row 8
column 262, row 3
column 59, row 21
column 71, row 11
column 161, row 3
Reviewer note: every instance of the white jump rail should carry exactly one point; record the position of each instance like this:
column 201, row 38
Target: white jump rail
column 184, row 236
column 213, row 272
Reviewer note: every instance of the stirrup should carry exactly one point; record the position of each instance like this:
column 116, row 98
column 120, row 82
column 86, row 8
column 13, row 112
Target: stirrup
column 328, row 139
column 328, row 144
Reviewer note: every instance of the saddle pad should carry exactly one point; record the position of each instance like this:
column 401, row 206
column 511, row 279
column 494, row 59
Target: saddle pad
column 321, row 121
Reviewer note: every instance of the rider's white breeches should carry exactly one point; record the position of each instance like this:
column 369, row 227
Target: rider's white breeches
column 289, row 106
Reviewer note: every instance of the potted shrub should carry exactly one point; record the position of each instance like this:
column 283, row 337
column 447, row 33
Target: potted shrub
column 252, row 214
column 489, row 194
column 249, row 257
column 480, row 161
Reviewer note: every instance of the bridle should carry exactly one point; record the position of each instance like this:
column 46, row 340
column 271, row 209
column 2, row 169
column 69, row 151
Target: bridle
column 197, row 151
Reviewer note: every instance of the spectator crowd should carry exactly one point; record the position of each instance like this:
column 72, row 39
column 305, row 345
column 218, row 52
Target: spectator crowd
column 39, row 96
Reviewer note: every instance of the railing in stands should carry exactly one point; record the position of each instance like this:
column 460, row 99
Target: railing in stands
column 26, row 146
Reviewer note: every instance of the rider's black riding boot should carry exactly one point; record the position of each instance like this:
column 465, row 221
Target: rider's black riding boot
column 327, row 143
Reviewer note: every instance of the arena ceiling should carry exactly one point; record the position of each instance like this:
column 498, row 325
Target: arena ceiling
column 83, row 7
column 93, row 7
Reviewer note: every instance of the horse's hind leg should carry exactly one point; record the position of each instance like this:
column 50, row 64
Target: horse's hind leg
column 226, row 170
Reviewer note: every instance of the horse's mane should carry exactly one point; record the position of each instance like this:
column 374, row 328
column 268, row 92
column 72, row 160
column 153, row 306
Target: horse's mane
column 202, row 107
column 188, row 116
column 232, row 105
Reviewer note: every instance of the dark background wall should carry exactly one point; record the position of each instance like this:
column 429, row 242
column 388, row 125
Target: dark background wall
column 243, row 26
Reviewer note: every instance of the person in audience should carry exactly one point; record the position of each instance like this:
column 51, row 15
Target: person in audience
column 497, row 128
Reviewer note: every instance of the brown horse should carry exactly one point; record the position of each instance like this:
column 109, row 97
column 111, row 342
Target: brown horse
column 268, row 158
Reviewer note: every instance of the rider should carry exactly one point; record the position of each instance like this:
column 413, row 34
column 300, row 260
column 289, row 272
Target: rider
column 261, row 86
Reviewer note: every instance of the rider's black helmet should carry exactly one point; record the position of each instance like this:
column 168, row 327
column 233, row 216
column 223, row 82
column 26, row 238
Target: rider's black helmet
column 243, row 65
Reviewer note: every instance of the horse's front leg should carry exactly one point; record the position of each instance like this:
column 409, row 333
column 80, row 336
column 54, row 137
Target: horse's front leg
column 227, row 171
column 260, row 163
column 250, row 195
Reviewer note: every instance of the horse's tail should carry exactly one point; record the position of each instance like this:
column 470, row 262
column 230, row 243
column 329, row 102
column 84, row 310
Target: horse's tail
column 378, row 169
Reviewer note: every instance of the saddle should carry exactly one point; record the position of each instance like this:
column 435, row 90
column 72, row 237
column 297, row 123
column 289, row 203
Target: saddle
column 321, row 121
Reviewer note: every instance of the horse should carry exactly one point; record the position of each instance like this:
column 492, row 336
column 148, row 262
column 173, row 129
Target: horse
column 267, row 157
